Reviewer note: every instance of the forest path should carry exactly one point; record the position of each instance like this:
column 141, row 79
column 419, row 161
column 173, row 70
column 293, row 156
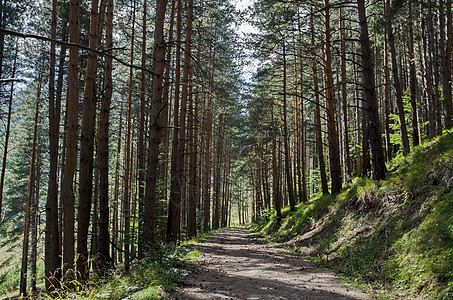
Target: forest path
column 235, row 266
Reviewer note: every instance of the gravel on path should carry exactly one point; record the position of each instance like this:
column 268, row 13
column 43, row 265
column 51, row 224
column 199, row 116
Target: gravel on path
column 235, row 266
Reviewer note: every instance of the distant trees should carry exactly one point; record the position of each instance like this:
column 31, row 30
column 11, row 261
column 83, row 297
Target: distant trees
column 365, row 109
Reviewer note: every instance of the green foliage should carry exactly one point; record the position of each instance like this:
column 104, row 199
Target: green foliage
column 149, row 278
column 393, row 234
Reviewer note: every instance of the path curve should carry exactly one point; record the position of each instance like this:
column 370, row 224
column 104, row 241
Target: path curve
column 235, row 266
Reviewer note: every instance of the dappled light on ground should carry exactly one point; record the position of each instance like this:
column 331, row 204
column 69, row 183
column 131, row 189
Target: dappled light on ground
column 235, row 266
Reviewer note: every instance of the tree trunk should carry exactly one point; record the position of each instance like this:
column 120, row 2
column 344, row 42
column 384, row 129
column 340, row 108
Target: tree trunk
column 344, row 103
column 388, row 145
column 434, row 67
column 413, row 77
column 141, row 137
column 157, row 123
column 167, row 116
column 103, row 259
column 7, row 134
column 52, row 260
column 208, row 142
column 445, row 59
column 427, row 80
column 174, row 207
column 87, row 149
column 192, row 218
column 116, row 222
column 275, row 181
column 377, row 152
column 317, row 121
column 218, row 163
column 128, row 162
column 23, row 271
column 34, row 224
column 396, row 82
column 332, row 134
column 67, row 191
column 289, row 178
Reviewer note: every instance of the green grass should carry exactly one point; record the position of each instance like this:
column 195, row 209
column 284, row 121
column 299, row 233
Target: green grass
column 149, row 278
column 394, row 234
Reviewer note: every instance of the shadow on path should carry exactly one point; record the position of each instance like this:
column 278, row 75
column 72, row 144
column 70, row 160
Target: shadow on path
column 234, row 266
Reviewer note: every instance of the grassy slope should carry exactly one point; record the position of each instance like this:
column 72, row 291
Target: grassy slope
column 396, row 233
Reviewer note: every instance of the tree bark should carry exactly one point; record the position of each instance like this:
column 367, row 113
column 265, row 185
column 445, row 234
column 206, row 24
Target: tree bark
column 412, row 77
column 52, row 260
column 174, row 207
column 141, row 137
column 67, row 191
column 344, row 103
column 445, row 59
column 7, row 134
column 396, row 82
column 87, row 149
column 34, row 224
column 31, row 176
column 103, row 258
column 332, row 134
column 377, row 152
column 317, row 121
column 289, row 178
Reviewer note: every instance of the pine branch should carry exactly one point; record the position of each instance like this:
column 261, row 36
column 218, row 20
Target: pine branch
column 66, row 44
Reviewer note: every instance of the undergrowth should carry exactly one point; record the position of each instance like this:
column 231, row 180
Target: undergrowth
column 149, row 278
column 395, row 234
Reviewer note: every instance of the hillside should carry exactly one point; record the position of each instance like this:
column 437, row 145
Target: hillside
column 394, row 236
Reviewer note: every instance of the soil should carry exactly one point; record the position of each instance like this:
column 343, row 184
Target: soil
column 235, row 266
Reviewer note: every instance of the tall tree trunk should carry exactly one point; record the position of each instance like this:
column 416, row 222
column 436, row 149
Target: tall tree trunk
column 141, row 136
column 87, row 149
column 427, row 80
column 2, row 39
column 289, row 178
column 218, row 163
column 116, row 222
column 434, row 67
column 104, row 260
column 208, row 142
column 317, row 121
column 332, row 134
column 52, row 268
column 185, row 97
column 302, row 156
column 275, row 181
column 23, row 271
column 192, row 174
column 7, row 134
column 156, row 124
column 67, row 191
column 447, row 85
column 344, row 103
column 412, row 76
column 128, row 162
column 167, row 98
column 396, row 82
column 174, row 207
column 377, row 152
column 445, row 59
column 388, row 145
column 34, row 224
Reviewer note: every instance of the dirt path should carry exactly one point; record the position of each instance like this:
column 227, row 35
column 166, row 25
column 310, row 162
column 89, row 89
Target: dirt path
column 234, row 266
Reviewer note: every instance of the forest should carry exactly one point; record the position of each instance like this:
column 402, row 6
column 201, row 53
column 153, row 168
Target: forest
column 130, row 127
